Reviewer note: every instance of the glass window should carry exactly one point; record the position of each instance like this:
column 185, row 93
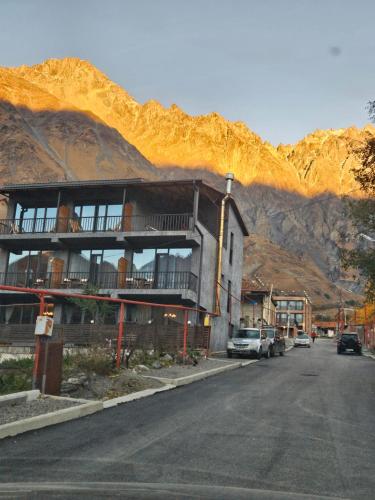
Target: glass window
column 231, row 248
column 144, row 260
column 299, row 318
column 299, row 305
column 114, row 210
column 292, row 304
column 247, row 334
column 110, row 260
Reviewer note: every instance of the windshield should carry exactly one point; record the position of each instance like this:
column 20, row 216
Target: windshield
column 347, row 336
column 247, row 334
column 303, row 336
column 270, row 334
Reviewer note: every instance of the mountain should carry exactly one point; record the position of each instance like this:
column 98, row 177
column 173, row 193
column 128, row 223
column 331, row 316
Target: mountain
column 170, row 137
column 65, row 119
column 45, row 138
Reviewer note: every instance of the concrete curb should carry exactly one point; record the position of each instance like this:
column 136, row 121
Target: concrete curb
column 109, row 403
column 177, row 382
column 368, row 355
column 52, row 418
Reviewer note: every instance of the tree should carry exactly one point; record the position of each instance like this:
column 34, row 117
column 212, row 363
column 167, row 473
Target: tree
column 97, row 309
column 362, row 213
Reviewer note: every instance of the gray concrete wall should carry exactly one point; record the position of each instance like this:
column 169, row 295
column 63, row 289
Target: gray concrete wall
column 232, row 272
column 208, row 276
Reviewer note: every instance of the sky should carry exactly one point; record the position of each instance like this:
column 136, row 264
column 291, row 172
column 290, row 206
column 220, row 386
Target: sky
column 284, row 67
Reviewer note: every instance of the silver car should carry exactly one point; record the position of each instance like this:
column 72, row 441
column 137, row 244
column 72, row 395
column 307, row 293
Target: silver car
column 249, row 341
column 302, row 340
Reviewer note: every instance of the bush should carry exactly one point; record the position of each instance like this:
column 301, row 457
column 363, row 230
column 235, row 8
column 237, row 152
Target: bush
column 94, row 360
column 18, row 364
column 15, row 382
column 327, row 296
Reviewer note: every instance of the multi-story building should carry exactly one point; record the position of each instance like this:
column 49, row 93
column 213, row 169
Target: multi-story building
column 295, row 310
column 258, row 306
column 150, row 241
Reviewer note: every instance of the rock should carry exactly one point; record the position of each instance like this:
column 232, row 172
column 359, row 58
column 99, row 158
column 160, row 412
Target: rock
column 156, row 365
column 66, row 388
column 77, row 380
column 142, row 367
column 167, row 357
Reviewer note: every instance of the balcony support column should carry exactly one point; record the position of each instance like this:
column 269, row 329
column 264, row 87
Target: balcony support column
column 3, row 260
column 123, row 209
column 195, row 205
column 57, row 209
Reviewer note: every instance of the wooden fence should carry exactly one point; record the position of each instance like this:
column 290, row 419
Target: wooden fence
column 158, row 336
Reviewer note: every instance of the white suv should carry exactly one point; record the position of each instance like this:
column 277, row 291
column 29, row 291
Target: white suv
column 249, row 341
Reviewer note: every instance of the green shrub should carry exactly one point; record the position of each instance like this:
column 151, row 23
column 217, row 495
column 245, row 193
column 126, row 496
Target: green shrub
column 18, row 364
column 95, row 360
column 14, row 382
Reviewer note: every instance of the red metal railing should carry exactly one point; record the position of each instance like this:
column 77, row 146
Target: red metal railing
column 122, row 302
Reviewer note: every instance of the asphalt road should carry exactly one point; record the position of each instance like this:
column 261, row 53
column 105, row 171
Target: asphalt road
column 298, row 426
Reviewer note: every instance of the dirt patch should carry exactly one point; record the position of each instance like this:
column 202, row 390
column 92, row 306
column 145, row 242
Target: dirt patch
column 94, row 386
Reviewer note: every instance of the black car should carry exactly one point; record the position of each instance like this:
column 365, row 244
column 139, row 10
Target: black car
column 277, row 341
column 349, row 342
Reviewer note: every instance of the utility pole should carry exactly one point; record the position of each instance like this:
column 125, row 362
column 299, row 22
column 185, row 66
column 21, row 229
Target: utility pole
column 269, row 305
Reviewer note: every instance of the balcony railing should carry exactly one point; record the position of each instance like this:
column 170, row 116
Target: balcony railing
column 154, row 222
column 109, row 280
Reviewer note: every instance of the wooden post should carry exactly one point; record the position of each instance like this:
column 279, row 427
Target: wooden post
column 185, row 332
column 120, row 334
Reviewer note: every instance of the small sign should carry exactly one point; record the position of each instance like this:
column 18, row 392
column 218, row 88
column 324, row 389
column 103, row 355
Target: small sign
column 44, row 326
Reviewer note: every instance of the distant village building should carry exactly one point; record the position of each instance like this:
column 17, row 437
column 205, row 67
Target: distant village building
column 151, row 241
column 258, row 307
column 295, row 310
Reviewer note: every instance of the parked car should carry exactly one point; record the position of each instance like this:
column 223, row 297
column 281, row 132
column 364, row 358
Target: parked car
column 302, row 340
column 277, row 341
column 249, row 341
column 349, row 342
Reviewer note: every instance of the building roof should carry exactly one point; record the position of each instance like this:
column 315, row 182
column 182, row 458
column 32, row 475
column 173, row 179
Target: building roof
column 54, row 187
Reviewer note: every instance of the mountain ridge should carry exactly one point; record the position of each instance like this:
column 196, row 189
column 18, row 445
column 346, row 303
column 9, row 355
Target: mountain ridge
column 170, row 137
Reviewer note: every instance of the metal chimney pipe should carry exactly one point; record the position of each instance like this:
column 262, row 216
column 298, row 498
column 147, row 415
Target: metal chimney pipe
column 229, row 178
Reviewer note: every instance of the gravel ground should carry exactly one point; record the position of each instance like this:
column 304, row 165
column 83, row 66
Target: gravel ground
column 19, row 411
column 177, row 371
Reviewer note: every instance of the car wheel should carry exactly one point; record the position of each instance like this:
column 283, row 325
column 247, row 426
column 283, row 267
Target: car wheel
column 259, row 354
column 229, row 354
column 281, row 353
column 360, row 353
column 338, row 351
column 309, row 346
column 272, row 352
